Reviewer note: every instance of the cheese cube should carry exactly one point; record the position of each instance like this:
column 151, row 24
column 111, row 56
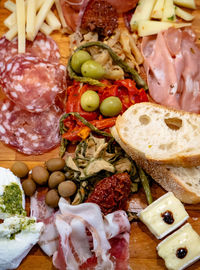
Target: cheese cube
column 180, row 249
column 164, row 215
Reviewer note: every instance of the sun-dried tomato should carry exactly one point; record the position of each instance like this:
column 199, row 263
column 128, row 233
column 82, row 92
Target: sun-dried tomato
column 111, row 193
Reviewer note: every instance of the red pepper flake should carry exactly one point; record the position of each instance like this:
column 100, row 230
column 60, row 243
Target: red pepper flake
column 111, row 193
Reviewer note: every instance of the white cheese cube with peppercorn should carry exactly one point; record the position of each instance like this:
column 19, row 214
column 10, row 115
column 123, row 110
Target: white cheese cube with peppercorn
column 164, row 215
column 180, row 249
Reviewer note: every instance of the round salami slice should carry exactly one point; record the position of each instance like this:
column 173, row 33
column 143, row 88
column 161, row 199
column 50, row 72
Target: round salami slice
column 29, row 133
column 32, row 82
column 44, row 47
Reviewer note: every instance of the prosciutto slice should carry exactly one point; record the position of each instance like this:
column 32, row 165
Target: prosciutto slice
column 87, row 241
column 172, row 64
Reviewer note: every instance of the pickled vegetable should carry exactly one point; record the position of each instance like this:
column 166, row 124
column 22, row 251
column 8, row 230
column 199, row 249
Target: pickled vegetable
column 52, row 198
column 111, row 106
column 20, row 169
column 92, row 69
column 67, row 189
column 55, row 164
column 29, row 187
column 40, row 175
column 78, row 58
column 55, row 179
column 90, row 101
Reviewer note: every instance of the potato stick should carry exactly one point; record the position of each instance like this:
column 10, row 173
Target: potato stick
column 53, row 21
column 20, row 11
column 46, row 29
column 42, row 13
column 9, row 5
column 10, row 20
column 30, row 19
column 12, row 32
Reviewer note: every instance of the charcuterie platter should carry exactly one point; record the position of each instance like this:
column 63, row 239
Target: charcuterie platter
column 142, row 245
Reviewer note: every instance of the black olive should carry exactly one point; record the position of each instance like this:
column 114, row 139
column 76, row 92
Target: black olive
column 181, row 253
column 168, row 217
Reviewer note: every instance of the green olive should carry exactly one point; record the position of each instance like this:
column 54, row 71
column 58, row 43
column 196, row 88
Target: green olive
column 55, row 179
column 78, row 58
column 55, row 164
column 40, row 175
column 89, row 101
column 52, row 198
column 29, row 187
column 92, row 69
column 66, row 189
column 111, row 106
column 20, row 169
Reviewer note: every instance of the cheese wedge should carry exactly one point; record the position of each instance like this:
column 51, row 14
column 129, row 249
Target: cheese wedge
column 180, row 249
column 164, row 215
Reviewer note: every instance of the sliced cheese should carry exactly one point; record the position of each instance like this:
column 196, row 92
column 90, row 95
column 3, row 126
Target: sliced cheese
column 183, row 14
column 53, row 21
column 158, row 9
column 46, row 29
column 30, row 19
column 12, row 32
column 21, row 20
column 142, row 12
column 10, row 20
column 156, row 214
column 169, row 11
column 186, row 3
column 42, row 13
column 146, row 28
column 185, row 239
column 9, row 5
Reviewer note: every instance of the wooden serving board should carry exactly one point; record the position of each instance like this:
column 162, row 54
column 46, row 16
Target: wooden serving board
column 143, row 255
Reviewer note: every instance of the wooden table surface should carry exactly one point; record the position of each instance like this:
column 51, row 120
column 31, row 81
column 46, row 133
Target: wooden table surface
column 143, row 244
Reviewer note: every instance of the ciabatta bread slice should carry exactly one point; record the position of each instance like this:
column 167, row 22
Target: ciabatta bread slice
column 183, row 182
column 160, row 134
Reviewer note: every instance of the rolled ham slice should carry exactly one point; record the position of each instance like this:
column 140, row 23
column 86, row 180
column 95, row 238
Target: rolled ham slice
column 172, row 64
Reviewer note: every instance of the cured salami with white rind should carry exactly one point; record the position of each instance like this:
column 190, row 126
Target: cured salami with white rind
column 29, row 133
column 32, row 83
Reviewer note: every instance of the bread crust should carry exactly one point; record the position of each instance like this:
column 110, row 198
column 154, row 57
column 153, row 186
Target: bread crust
column 160, row 173
column 178, row 159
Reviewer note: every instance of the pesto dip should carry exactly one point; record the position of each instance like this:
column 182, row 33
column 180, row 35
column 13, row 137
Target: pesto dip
column 11, row 200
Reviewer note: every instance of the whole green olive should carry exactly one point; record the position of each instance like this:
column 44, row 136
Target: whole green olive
column 90, row 101
column 29, row 187
column 20, row 169
column 78, row 58
column 40, row 175
column 55, row 179
column 66, row 189
column 52, row 198
column 111, row 106
column 92, row 69
column 55, row 164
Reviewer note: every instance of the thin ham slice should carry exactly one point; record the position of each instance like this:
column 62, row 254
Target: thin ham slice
column 87, row 241
column 172, row 64
column 48, row 240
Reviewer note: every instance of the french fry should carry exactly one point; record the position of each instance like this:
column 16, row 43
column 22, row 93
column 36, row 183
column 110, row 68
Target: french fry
column 20, row 11
column 30, row 19
column 9, row 5
column 146, row 28
column 42, row 13
column 142, row 12
column 12, row 32
column 169, row 11
column 183, row 14
column 157, row 11
column 186, row 3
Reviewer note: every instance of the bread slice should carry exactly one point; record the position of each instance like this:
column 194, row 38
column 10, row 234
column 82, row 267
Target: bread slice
column 160, row 134
column 183, row 182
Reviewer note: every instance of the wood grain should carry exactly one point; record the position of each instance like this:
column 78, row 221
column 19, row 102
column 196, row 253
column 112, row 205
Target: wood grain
column 143, row 244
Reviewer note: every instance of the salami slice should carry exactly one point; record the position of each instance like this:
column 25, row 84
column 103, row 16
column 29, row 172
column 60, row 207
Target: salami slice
column 44, row 47
column 29, row 133
column 32, row 82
